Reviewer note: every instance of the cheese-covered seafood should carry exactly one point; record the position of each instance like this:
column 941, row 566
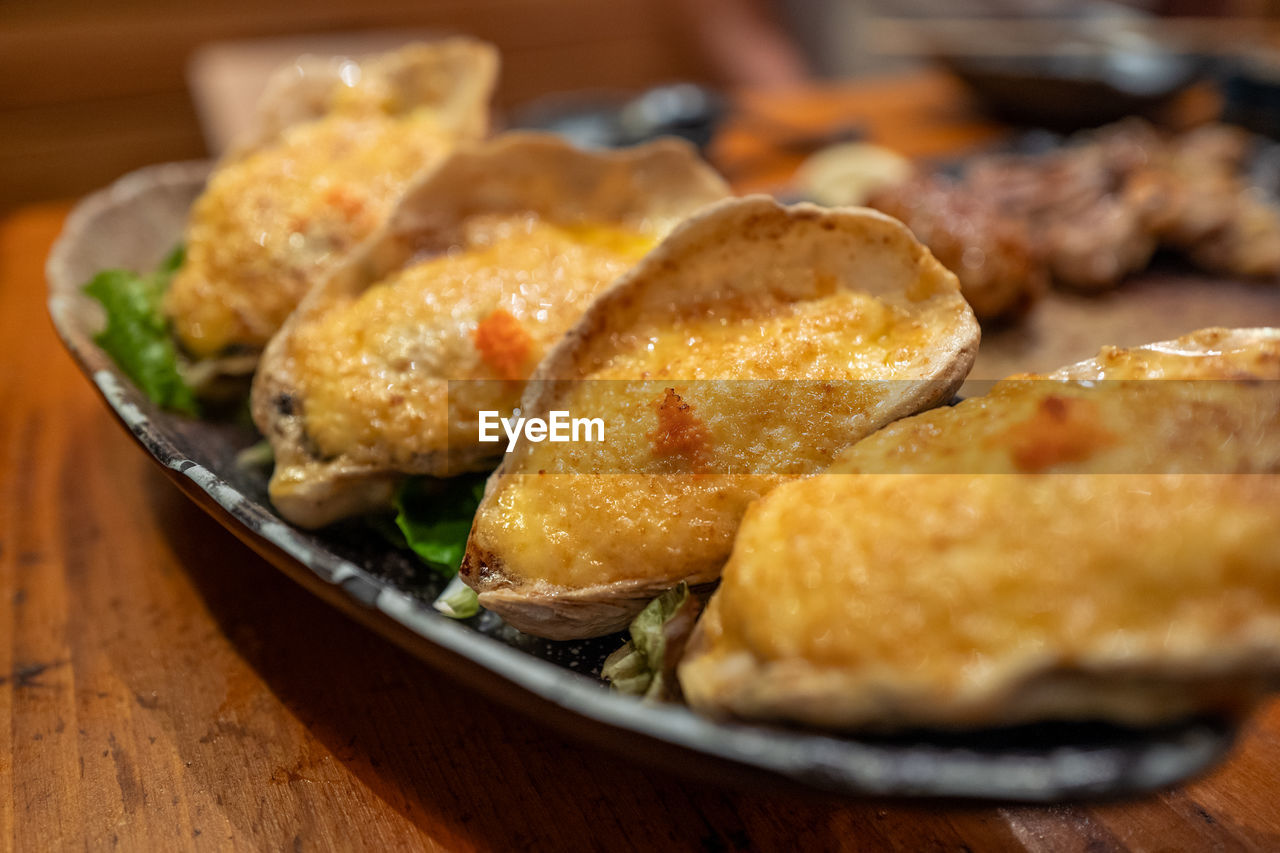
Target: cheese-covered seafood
column 1102, row 542
column 338, row 143
column 756, row 342
column 482, row 268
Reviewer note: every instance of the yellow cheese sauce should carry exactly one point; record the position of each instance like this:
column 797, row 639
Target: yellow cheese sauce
column 1120, row 413
column 703, row 414
column 571, row 531
column 952, row 558
column 925, row 587
column 372, row 373
column 733, row 369
column 269, row 222
column 839, row 336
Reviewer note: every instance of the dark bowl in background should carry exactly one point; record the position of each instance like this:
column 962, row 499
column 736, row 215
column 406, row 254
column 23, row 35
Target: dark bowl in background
column 1067, row 93
column 1097, row 64
column 1251, row 92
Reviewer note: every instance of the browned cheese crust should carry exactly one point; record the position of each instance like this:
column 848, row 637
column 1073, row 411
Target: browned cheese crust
column 1099, row 543
column 337, row 143
column 740, row 353
column 481, row 269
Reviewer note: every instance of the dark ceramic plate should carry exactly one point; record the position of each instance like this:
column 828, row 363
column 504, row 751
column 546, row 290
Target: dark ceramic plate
column 135, row 222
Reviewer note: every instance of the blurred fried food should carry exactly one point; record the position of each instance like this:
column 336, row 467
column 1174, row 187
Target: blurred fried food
column 991, row 253
column 1091, row 212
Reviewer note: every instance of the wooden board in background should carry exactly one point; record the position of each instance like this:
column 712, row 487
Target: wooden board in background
column 1154, row 306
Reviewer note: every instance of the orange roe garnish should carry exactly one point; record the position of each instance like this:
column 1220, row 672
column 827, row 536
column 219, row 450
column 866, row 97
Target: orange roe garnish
column 680, row 432
column 503, row 344
column 1063, row 429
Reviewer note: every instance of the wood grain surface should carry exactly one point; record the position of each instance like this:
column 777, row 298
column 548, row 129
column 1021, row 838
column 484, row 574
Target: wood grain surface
column 148, row 702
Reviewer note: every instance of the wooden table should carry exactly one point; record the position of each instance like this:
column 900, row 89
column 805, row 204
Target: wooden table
column 146, row 703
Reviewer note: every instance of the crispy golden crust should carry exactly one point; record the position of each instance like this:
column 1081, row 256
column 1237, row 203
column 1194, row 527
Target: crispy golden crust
column 519, row 175
column 979, row 566
column 746, row 290
column 336, row 145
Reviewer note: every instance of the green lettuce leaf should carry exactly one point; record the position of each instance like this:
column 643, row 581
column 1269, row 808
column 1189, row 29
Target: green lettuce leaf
column 645, row 666
column 433, row 517
column 457, row 601
column 172, row 262
column 137, row 335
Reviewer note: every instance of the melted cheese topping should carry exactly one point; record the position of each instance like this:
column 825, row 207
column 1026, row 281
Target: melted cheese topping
column 1141, row 410
column 908, row 600
column 929, row 562
column 929, row 579
column 269, row 222
column 373, row 372
column 678, row 480
column 838, row 336
column 829, row 363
